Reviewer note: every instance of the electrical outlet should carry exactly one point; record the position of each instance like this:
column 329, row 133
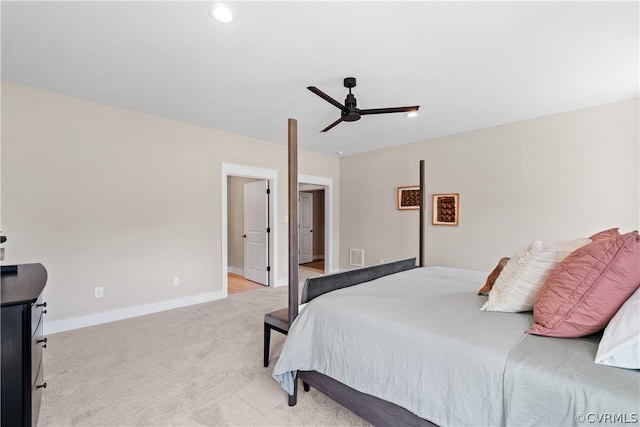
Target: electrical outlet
column 176, row 281
column 98, row 292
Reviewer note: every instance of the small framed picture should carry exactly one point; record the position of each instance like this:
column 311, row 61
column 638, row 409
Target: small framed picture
column 446, row 209
column 409, row 197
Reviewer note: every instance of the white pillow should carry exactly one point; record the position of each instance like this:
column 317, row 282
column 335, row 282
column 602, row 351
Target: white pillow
column 525, row 273
column 620, row 343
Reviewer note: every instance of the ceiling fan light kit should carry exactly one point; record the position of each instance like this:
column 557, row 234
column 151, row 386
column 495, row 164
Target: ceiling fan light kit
column 349, row 111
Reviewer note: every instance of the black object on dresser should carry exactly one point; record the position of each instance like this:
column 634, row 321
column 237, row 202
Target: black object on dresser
column 22, row 343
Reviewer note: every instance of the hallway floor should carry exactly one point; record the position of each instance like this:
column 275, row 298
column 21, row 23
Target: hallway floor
column 237, row 283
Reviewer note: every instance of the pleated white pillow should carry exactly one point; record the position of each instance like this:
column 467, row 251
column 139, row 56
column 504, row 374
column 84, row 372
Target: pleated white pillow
column 517, row 285
column 620, row 343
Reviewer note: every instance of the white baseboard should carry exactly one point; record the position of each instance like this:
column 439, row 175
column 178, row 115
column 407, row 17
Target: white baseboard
column 55, row 326
column 317, row 257
column 236, row 270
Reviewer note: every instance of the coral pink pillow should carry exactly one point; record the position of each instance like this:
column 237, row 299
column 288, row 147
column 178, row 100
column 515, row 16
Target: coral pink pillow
column 588, row 287
column 606, row 234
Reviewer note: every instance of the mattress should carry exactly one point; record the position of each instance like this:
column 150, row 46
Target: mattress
column 418, row 339
column 554, row 381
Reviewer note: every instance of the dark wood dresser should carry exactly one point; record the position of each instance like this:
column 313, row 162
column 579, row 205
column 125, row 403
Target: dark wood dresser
column 22, row 313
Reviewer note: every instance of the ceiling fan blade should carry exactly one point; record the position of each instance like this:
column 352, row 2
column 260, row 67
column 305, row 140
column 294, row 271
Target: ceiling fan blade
column 332, row 125
column 389, row 110
column 326, row 97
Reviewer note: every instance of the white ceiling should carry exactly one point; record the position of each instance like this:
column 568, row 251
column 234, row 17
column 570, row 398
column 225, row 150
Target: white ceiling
column 468, row 65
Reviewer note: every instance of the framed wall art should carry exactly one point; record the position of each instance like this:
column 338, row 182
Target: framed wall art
column 409, row 197
column 446, row 209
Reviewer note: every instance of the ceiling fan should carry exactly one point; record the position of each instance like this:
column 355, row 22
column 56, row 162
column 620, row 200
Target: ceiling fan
column 349, row 111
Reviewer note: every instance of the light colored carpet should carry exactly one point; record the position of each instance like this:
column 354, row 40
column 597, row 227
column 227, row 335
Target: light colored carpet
column 193, row 366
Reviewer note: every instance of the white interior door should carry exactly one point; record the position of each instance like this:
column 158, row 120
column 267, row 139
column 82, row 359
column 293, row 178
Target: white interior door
column 256, row 236
column 305, row 234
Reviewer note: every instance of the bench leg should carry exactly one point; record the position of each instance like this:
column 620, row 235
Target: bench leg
column 305, row 386
column 267, row 340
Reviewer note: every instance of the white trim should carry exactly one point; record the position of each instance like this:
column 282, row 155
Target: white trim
column 328, row 215
column 230, row 169
column 55, row 326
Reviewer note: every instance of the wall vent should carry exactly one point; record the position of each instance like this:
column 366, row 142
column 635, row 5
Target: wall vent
column 356, row 257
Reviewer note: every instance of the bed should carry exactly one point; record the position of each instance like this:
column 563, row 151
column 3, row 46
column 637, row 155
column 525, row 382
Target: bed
column 420, row 347
column 446, row 362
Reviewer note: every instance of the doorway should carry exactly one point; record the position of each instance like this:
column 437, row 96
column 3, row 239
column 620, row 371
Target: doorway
column 256, row 230
column 249, row 238
column 248, row 233
column 312, row 227
column 271, row 175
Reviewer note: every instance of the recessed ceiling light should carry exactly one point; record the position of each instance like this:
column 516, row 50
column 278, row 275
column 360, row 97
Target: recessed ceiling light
column 340, row 153
column 220, row 13
column 412, row 114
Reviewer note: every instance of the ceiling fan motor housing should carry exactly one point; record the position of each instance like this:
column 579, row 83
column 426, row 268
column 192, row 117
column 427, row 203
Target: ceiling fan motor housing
column 350, row 116
column 351, row 113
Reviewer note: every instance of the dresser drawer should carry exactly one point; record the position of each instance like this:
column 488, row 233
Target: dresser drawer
column 36, row 395
column 37, row 344
column 37, row 309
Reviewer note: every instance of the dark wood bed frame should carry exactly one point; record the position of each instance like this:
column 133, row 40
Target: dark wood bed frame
column 376, row 411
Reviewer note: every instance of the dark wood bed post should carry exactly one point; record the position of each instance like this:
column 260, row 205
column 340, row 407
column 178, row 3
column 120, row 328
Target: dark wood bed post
column 293, row 235
column 422, row 206
column 293, row 219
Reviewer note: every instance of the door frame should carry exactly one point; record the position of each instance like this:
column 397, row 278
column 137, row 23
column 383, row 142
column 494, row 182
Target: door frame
column 231, row 169
column 271, row 175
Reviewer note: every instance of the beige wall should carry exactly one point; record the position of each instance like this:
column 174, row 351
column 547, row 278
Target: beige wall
column 557, row 177
column 108, row 197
